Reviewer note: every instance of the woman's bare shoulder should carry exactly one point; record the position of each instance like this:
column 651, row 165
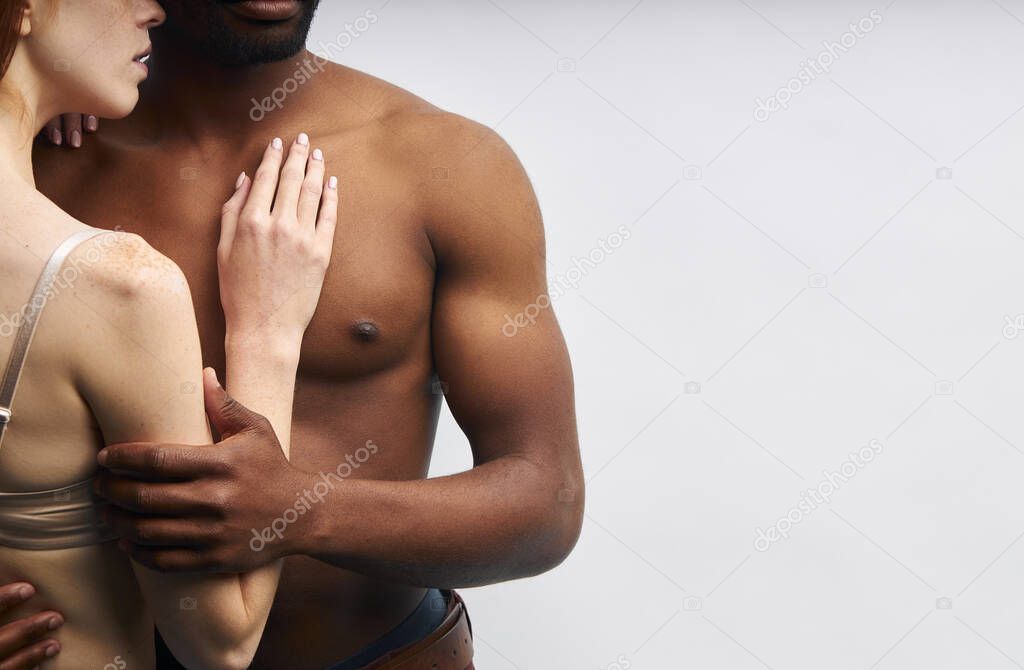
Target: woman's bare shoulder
column 114, row 262
column 124, row 266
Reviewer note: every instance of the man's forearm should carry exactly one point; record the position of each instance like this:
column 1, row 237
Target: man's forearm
column 503, row 520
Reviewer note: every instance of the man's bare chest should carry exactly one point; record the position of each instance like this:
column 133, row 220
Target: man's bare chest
column 375, row 308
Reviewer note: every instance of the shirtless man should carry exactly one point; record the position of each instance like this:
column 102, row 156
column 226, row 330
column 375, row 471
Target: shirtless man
column 439, row 244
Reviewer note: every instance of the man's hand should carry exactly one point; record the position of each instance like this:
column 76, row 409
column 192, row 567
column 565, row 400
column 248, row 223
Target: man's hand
column 23, row 642
column 69, row 129
column 186, row 508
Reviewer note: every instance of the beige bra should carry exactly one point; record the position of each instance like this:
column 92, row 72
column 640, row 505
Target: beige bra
column 58, row 518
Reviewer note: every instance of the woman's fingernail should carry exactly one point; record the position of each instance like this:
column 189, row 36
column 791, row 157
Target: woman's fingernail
column 92, row 123
column 318, row 155
column 212, row 374
column 56, row 137
column 277, row 143
column 76, row 138
column 238, row 182
column 53, row 623
column 303, row 139
column 332, row 183
column 51, row 650
column 25, row 591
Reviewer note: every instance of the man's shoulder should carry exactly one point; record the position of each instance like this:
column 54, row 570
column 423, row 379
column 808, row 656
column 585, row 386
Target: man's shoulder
column 466, row 177
column 412, row 127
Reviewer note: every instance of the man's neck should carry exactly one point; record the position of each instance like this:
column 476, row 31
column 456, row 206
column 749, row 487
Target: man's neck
column 190, row 98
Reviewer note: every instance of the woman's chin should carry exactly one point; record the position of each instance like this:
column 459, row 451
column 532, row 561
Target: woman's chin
column 118, row 109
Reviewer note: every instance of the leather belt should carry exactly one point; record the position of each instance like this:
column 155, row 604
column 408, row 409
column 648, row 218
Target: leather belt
column 450, row 647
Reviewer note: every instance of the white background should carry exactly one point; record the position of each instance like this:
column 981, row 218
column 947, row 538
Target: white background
column 818, row 275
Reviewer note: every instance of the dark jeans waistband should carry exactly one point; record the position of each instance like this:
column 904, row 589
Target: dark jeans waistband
column 425, row 619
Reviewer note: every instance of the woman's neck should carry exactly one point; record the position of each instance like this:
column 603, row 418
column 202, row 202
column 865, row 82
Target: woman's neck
column 26, row 106
column 21, row 119
column 16, row 146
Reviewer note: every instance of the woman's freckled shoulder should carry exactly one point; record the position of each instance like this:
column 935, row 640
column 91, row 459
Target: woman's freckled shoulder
column 127, row 266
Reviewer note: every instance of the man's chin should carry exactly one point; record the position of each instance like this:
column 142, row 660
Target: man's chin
column 238, row 34
column 266, row 11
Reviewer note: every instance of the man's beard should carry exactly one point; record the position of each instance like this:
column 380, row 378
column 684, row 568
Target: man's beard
column 210, row 34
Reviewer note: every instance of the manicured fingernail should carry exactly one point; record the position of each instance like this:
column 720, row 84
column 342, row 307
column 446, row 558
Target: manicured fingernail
column 318, row 155
column 277, row 143
column 303, row 139
column 51, row 650
column 25, row 591
column 56, row 137
column 92, row 123
column 76, row 138
column 332, row 183
column 101, row 457
column 53, row 623
column 212, row 374
column 238, row 182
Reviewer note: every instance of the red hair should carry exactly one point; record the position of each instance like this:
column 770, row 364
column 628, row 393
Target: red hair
column 11, row 14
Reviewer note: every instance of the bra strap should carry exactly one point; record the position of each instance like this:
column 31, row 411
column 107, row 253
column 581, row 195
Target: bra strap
column 23, row 340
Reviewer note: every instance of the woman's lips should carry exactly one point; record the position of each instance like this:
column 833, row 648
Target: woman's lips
column 143, row 62
column 266, row 10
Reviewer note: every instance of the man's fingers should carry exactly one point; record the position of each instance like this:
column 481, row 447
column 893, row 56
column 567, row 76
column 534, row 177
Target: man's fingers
column 167, row 560
column 73, row 130
column 227, row 415
column 161, row 462
column 12, row 595
column 31, row 657
column 292, row 175
column 150, row 498
column 157, row 531
column 264, row 185
column 52, row 130
column 23, row 632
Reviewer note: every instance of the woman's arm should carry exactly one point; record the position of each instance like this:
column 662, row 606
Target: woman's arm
column 144, row 381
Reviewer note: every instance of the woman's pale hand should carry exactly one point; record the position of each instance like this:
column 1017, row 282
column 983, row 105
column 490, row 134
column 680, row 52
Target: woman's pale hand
column 277, row 233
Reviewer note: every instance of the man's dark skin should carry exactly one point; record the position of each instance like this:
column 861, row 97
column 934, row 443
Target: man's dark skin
column 439, row 239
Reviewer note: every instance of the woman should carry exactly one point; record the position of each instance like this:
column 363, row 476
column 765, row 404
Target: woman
column 115, row 355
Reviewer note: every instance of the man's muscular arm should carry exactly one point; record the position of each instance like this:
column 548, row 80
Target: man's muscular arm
column 516, row 513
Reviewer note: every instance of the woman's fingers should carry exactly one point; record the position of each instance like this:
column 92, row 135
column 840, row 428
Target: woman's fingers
column 231, row 211
column 292, row 176
column 312, row 191
column 328, row 219
column 264, row 184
